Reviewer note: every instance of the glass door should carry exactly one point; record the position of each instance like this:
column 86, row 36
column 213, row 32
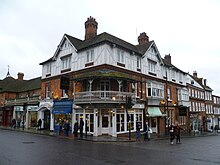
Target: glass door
column 105, row 87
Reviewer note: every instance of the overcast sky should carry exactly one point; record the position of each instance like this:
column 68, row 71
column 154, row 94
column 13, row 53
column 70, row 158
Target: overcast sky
column 188, row 30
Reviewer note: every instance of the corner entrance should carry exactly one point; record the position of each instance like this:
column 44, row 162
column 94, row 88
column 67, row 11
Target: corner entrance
column 106, row 122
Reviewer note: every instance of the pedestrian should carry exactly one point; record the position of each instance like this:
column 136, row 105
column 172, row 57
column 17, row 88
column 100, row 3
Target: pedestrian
column 177, row 133
column 146, row 132
column 39, row 123
column 75, row 128
column 172, row 135
column 66, row 128
column 60, row 126
column 19, row 122
column 14, row 123
column 138, row 133
column 81, row 125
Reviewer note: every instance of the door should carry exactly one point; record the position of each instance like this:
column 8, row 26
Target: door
column 105, row 87
column 105, row 124
column 153, row 125
column 47, row 119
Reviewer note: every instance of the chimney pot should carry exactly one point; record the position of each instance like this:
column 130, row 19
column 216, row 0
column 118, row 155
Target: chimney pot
column 143, row 38
column 167, row 58
column 91, row 27
column 194, row 73
column 20, row 76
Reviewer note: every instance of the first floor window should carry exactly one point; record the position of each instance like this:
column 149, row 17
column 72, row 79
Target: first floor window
column 47, row 91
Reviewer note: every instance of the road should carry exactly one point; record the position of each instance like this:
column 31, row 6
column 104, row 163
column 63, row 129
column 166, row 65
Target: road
column 19, row 148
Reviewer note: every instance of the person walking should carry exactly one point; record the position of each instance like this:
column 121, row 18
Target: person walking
column 14, row 123
column 66, row 128
column 39, row 123
column 146, row 132
column 138, row 133
column 81, row 125
column 76, row 128
column 172, row 135
column 177, row 133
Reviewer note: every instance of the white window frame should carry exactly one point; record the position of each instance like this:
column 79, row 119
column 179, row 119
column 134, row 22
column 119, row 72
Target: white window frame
column 48, row 68
column 151, row 66
column 121, row 57
column 156, row 90
column 66, row 62
column 138, row 63
column 47, row 91
column 90, row 56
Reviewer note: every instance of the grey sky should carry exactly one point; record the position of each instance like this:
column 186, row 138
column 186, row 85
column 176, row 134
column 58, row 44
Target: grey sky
column 187, row 29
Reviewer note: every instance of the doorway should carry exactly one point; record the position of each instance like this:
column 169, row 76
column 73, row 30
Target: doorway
column 46, row 119
column 105, row 124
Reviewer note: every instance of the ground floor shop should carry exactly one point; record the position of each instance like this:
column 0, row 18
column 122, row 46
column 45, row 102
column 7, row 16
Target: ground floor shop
column 6, row 116
column 100, row 120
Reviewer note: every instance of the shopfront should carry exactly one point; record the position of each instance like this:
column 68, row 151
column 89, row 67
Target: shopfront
column 108, row 121
column 31, row 116
column 18, row 115
column 62, row 110
column 6, row 116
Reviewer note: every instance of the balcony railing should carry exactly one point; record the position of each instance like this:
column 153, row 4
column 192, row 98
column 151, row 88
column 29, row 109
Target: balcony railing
column 102, row 97
column 18, row 101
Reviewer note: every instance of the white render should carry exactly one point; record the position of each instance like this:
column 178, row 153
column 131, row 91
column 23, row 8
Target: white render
column 107, row 54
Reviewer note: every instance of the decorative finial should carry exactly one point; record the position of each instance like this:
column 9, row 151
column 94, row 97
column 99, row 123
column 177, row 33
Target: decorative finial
column 8, row 74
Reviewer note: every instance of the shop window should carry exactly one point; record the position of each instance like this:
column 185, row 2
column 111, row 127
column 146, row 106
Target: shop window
column 131, row 116
column 120, row 122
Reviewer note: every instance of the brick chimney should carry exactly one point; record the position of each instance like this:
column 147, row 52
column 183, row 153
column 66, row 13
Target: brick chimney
column 20, row 76
column 167, row 58
column 143, row 38
column 194, row 74
column 91, row 27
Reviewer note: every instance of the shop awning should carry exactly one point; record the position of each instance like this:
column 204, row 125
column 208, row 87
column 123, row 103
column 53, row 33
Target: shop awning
column 154, row 112
column 62, row 107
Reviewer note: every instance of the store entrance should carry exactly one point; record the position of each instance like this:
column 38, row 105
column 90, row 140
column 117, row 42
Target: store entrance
column 106, row 126
column 46, row 119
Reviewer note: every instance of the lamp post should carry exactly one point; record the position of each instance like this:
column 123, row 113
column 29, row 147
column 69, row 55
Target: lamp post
column 166, row 109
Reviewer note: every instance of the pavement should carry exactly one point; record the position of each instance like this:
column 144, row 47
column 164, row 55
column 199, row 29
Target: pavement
column 105, row 138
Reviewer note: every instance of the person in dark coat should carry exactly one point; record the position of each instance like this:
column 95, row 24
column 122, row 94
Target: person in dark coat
column 146, row 132
column 75, row 128
column 172, row 134
column 81, row 125
column 177, row 133
column 14, row 123
column 138, row 133
column 66, row 128
column 39, row 123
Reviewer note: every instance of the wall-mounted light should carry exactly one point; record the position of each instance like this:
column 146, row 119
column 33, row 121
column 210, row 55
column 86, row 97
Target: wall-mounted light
column 113, row 113
column 96, row 112
column 122, row 107
column 113, row 97
column 162, row 102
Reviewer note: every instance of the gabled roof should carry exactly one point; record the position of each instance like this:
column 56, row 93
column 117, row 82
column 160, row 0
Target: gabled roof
column 199, row 81
column 144, row 47
column 167, row 64
column 104, row 37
